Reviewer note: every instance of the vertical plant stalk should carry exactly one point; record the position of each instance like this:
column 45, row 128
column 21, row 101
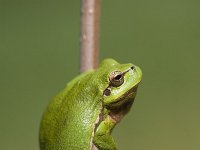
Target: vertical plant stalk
column 89, row 40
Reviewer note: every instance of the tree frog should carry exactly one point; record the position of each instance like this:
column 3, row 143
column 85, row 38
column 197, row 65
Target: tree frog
column 83, row 115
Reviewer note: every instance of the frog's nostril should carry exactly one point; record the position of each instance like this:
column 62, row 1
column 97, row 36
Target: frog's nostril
column 132, row 67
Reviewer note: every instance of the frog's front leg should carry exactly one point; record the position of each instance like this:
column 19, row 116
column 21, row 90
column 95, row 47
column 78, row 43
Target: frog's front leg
column 102, row 137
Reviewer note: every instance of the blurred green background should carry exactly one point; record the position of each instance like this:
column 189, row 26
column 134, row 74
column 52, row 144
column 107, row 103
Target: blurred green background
column 39, row 54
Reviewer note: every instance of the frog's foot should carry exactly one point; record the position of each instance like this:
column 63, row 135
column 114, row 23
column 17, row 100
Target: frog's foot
column 104, row 142
column 102, row 138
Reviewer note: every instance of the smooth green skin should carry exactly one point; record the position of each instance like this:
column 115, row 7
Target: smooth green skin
column 82, row 116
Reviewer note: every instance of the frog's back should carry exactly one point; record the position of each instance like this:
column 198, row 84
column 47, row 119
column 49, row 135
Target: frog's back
column 70, row 118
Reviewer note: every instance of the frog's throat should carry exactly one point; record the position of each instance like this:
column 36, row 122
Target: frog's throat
column 123, row 104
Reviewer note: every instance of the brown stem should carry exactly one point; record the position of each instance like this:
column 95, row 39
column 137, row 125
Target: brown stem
column 89, row 42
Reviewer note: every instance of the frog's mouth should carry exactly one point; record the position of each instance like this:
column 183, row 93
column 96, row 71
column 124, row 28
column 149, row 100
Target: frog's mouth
column 123, row 104
column 129, row 95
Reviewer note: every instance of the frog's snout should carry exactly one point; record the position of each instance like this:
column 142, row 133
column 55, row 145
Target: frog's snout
column 138, row 72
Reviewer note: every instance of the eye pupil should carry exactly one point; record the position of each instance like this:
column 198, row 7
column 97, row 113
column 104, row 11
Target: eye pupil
column 118, row 77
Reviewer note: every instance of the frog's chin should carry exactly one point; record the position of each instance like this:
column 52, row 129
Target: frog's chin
column 122, row 105
column 126, row 97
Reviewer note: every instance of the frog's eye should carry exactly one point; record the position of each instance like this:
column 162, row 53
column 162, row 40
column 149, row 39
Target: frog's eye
column 116, row 78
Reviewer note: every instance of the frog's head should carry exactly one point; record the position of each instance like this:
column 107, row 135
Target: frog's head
column 120, row 82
